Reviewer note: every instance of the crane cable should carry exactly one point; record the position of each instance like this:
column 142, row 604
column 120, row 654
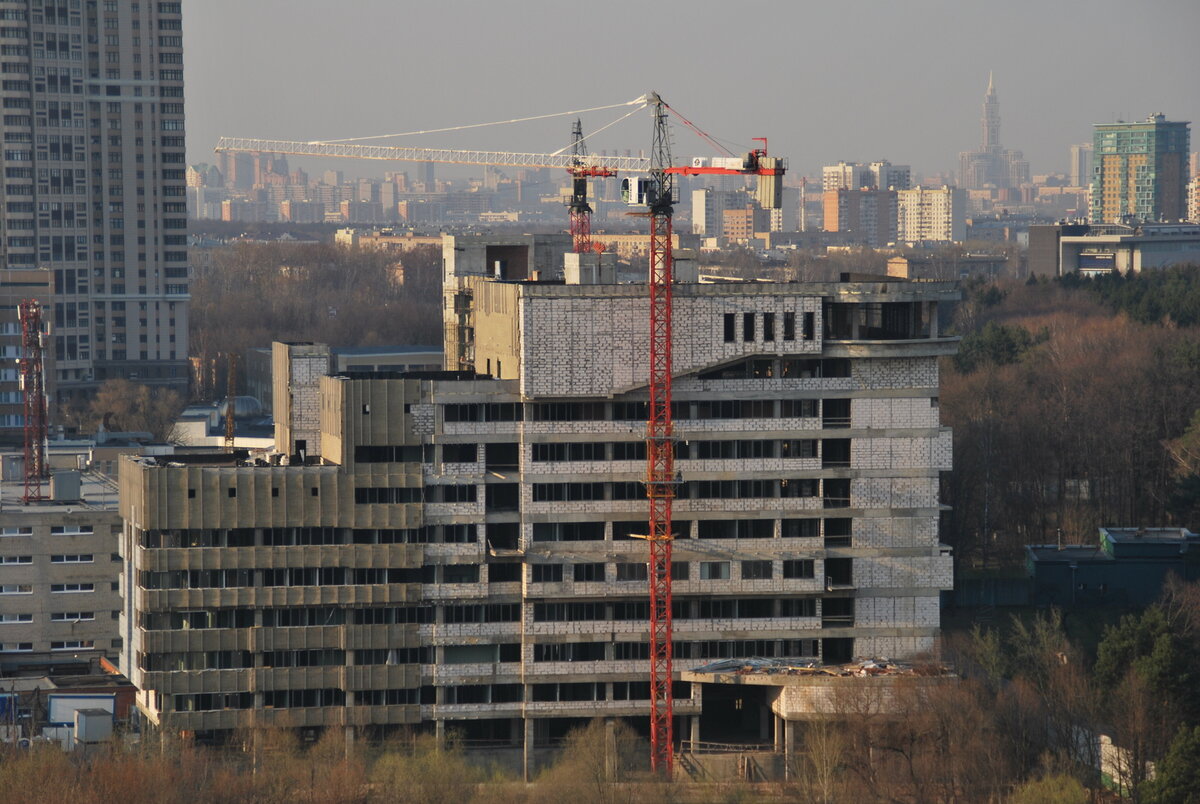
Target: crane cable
column 597, row 131
column 638, row 101
column 711, row 140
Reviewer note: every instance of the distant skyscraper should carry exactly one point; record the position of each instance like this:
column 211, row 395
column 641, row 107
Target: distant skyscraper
column 1140, row 171
column 931, row 215
column 845, row 176
column 1079, row 169
column 868, row 213
column 991, row 117
column 95, row 182
column 992, row 165
column 856, row 176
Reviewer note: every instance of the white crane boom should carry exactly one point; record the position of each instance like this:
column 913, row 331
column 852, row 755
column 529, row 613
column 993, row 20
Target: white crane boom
column 632, row 164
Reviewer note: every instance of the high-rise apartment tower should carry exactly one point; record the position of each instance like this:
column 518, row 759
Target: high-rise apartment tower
column 1139, row 171
column 94, row 181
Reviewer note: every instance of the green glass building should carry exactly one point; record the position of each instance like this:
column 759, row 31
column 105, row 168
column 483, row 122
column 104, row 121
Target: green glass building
column 1139, row 171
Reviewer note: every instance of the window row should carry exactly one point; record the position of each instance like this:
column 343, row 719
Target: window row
column 308, row 536
column 680, row 571
column 703, row 609
column 692, row 449
column 836, row 489
column 681, row 410
column 763, row 326
column 705, row 529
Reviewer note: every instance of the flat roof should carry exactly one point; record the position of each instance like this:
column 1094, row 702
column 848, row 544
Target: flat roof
column 1143, row 535
column 1067, row 553
column 99, row 494
column 384, row 350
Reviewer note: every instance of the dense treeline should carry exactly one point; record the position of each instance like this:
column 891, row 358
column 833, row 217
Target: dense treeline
column 255, row 293
column 1027, row 721
column 1151, row 297
column 1066, row 415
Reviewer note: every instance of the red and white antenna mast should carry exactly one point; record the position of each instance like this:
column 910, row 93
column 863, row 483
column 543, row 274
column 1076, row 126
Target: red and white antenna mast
column 34, row 390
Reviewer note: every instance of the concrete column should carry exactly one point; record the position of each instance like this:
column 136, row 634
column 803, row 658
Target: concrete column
column 527, row 759
column 778, row 735
column 695, row 731
column 440, row 732
column 789, row 748
column 349, row 742
column 610, row 749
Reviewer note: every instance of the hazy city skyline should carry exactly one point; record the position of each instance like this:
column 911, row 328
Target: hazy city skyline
column 823, row 83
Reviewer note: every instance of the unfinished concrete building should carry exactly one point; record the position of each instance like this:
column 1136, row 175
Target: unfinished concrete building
column 457, row 548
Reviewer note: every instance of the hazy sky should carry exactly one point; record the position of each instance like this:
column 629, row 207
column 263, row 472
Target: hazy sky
column 889, row 79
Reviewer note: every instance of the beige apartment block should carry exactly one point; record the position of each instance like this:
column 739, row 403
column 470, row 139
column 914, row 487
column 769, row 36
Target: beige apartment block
column 458, row 549
column 59, row 571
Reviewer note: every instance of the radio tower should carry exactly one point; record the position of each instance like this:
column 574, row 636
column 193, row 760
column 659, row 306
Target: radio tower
column 33, row 387
column 660, row 444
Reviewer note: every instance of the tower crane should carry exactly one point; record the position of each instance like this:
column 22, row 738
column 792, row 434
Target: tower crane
column 580, row 210
column 578, row 162
column 662, row 480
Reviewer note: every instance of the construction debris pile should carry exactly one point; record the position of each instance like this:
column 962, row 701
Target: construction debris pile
column 785, row 667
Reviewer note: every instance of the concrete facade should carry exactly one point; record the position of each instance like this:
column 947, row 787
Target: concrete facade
column 931, row 215
column 461, row 553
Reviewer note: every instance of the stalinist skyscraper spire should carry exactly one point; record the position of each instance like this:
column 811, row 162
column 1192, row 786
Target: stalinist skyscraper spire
column 991, row 166
column 991, row 117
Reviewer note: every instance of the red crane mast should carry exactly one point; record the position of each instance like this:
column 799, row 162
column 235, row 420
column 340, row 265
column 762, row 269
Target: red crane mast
column 662, row 481
column 660, row 444
column 34, row 391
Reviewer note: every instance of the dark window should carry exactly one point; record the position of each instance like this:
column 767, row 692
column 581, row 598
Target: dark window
column 756, row 570
column 460, row 573
column 629, row 450
column 503, row 573
column 547, row 573
column 456, row 453
column 730, row 325
column 798, row 568
column 569, row 531
column 588, row 572
column 798, row 607
column 798, row 408
column 631, row 571
column 768, row 326
column 797, row 448
column 789, row 326
column 748, row 327
column 800, row 528
column 810, row 326
column 372, row 453
column 680, row 570
column 365, row 496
